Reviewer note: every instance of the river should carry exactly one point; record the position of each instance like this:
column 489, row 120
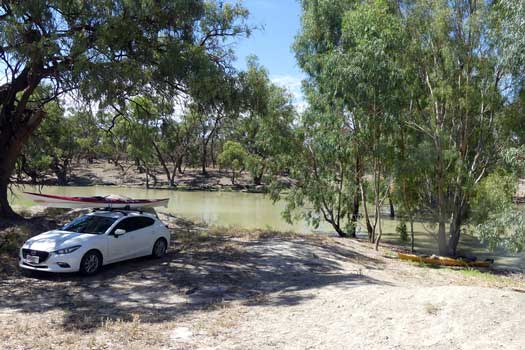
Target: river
column 257, row 211
column 237, row 209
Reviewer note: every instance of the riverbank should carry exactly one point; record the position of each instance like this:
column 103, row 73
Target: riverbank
column 236, row 289
column 127, row 174
column 255, row 211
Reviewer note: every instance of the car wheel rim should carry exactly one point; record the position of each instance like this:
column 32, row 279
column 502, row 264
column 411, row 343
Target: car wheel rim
column 160, row 248
column 91, row 263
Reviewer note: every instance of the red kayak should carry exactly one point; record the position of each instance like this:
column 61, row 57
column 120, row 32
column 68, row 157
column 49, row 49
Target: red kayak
column 111, row 201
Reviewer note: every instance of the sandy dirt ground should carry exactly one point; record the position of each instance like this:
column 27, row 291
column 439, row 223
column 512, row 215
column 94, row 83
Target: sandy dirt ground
column 263, row 290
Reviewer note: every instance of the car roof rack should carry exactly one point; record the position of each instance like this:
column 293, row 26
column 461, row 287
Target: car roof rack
column 125, row 210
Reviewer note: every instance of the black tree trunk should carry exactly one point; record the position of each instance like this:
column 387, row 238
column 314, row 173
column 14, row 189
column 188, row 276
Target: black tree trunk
column 203, row 160
column 355, row 213
column 392, row 211
column 12, row 137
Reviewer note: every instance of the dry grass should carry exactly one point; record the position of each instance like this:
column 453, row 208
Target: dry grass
column 226, row 315
column 431, row 309
column 493, row 279
column 44, row 332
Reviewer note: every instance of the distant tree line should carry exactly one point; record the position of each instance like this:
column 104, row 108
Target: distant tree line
column 248, row 124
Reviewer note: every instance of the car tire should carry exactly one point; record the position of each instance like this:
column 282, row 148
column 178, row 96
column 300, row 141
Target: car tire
column 159, row 248
column 91, row 263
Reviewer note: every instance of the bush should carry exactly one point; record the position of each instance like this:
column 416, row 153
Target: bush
column 401, row 230
column 10, row 241
column 233, row 157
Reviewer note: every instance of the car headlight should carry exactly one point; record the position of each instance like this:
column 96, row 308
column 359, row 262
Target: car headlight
column 67, row 250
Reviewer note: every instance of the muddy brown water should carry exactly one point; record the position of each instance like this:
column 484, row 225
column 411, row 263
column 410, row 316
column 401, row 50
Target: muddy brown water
column 256, row 211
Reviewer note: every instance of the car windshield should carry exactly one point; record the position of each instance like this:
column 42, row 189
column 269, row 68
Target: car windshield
column 90, row 224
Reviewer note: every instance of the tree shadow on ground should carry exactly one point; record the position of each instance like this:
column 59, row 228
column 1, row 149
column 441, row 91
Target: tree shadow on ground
column 212, row 270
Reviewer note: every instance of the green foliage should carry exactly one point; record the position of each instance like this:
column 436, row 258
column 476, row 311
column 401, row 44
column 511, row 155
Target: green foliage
column 452, row 88
column 264, row 127
column 411, row 82
column 351, row 53
column 499, row 223
column 493, row 196
column 109, row 52
column 511, row 33
column 87, row 133
column 320, row 160
column 419, row 100
column 233, row 157
column 54, row 146
column 505, row 229
column 514, row 160
column 10, row 241
column 401, row 230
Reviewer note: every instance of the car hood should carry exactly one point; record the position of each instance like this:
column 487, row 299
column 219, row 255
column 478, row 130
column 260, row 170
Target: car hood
column 56, row 239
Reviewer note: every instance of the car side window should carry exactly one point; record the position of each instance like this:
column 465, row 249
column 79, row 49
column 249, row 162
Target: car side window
column 145, row 222
column 124, row 225
column 133, row 224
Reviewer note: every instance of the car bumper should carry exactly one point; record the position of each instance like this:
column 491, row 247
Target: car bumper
column 54, row 263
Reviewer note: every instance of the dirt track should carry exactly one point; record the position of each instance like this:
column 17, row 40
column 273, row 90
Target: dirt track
column 264, row 291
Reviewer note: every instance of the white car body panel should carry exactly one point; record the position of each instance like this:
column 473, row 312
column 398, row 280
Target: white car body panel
column 130, row 245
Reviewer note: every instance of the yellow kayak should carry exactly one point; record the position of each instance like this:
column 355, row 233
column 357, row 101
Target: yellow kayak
column 442, row 260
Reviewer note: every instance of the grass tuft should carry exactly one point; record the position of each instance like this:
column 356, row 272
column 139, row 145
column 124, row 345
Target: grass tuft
column 431, row 309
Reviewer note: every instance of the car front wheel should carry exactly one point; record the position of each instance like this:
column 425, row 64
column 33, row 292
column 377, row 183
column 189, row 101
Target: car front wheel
column 90, row 263
column 159, row 248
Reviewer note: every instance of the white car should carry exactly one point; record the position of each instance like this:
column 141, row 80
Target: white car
column 96, row 239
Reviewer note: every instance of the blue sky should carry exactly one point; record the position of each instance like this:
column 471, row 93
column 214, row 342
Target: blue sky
column 280, row 22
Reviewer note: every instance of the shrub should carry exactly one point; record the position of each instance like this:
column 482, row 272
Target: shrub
column 401, row 230
column 10, row 241
column 233, row 157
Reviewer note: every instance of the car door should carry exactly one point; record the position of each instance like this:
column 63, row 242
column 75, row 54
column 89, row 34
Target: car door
column 145, row 236
column 125, row 246
column 137, row 241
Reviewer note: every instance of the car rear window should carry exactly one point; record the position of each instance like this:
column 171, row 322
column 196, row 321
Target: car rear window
column 91, row 224
column 135, row 223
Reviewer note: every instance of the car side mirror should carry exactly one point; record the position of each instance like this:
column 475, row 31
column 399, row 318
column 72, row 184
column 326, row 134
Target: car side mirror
column 119, row 232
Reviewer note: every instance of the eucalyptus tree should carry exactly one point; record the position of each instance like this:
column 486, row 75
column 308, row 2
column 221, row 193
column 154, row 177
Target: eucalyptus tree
column 53, row 149
column 142, row 129
column 500, row 223
column 108, row 51
column 324, row 160
column 113, row 139
column 458, row 100
column 351, row 53
column 178, row 137
column 510, row 14
column 264, row 124
column 319, row 161
column 216, row 102
column 87, row 130
column 371, row 86
column 409, row 168
column 233, row 157
column 427, row 72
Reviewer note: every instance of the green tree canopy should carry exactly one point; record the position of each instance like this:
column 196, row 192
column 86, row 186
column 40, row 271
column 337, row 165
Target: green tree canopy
column 264, row 126
column 106, row 50
column 233, row 157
